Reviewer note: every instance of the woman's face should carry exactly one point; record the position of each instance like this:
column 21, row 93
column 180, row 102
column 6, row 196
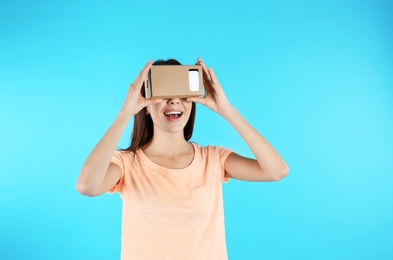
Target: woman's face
column 171, row 115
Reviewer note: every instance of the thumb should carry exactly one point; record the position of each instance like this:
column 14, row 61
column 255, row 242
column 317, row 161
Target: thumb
column 198, row 100
column 152, row 101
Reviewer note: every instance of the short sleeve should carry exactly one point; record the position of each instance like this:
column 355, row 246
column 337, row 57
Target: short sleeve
column 118, row 159
column 224, row 153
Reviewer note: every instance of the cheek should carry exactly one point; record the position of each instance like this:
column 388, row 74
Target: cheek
column 189, row 110
column 187, row 104
column 151, row 109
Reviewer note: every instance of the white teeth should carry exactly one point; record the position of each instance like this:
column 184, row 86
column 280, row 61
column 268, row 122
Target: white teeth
column 173, row 113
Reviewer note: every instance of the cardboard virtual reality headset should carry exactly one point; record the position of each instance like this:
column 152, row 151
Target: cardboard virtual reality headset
column 174, row 81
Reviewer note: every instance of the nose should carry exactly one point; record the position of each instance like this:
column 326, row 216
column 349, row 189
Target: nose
column 173, row 101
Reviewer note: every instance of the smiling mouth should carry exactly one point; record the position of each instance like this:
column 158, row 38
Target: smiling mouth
column 173, row 114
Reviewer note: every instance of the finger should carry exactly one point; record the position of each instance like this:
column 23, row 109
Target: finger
column 153, row 101
column 198, row 100
column 204, row 69
column 142, row 75
column 157, row 100
column 215, row 84
column 147, row 67
column 207, row 81
column 213, row 76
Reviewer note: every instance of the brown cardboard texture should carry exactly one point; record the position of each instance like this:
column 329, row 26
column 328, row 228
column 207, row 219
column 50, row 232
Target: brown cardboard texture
column 170, row 81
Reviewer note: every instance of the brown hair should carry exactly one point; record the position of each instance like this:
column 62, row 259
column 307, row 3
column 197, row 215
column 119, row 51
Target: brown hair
column 143, row 128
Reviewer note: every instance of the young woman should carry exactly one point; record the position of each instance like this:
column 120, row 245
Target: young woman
column 170, row 187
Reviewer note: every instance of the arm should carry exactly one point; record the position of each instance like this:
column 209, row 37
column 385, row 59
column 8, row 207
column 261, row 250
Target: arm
column 98, row 174
column 268, row 165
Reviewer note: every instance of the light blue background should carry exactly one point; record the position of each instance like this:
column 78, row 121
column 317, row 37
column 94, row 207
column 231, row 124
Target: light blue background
column 314, row 77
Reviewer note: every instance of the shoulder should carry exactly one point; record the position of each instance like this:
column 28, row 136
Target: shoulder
column 121, row 156
column 124, row 154
column 212, row 151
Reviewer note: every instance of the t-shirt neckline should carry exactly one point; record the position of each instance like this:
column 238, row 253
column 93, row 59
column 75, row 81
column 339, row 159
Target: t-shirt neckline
column 154, row 165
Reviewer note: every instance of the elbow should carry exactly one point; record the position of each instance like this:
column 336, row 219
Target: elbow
column 85, row 190
column 285, row 170
column 86, row 185
column 281, row 173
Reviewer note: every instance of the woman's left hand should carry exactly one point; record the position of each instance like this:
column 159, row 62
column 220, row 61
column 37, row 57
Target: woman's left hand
column 268, row 166
column 214, row 97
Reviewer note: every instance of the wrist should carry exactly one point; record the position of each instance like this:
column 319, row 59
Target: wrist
column 227, row 112
column 124, row 114
column 128, row 111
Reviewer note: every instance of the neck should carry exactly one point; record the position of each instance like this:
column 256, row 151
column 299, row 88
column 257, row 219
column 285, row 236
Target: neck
column 170, row 144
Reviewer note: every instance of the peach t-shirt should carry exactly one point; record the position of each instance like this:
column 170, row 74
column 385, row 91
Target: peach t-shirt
column 172, row 213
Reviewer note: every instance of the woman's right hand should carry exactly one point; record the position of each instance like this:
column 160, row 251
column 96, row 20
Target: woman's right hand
column 98, row 174
column 134, row 101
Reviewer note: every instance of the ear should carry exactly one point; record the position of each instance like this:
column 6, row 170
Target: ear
column 146, row 111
